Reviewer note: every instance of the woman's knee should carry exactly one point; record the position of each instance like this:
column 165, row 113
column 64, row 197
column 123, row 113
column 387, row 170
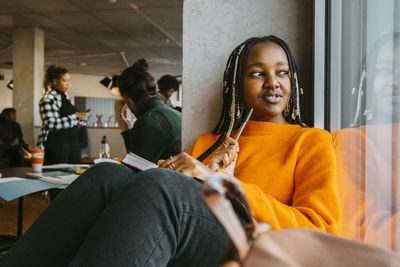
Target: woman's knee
column 160, row 176
column 165, row 181
column 107, row 173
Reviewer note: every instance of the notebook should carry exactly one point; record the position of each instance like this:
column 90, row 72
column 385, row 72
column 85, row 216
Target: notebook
column 138, row 163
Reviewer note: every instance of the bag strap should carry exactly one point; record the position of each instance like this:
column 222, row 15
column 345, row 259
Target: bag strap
column 217, row 189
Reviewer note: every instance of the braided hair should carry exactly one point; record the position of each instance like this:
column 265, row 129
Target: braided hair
column 364, row 91
column 233, row 109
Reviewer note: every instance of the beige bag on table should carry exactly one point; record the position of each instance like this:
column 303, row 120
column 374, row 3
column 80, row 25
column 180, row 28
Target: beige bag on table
column 259, row 246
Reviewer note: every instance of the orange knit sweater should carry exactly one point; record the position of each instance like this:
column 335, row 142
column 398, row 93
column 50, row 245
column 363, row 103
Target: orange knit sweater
column 368, row 166
column 288, row 174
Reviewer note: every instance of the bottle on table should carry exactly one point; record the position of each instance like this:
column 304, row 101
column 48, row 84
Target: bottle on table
column 104, row 152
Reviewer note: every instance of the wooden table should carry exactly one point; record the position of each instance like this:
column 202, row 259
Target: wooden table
column 17, row 172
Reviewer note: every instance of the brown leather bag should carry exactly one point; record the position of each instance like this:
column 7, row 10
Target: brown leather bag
column 256, row 245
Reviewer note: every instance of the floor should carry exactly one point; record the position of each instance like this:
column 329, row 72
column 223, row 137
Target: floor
column 34, row 205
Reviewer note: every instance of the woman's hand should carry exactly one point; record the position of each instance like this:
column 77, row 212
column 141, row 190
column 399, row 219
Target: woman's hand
column 118, row 109
column 225, row 157
column 82, row 115
column 187, row 165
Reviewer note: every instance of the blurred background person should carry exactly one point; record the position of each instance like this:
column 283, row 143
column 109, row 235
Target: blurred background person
column 167, row 85
column 12, row 145
column 59, row 134
column 156, row 134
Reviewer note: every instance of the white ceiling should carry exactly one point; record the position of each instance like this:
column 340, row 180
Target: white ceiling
column 86, row 36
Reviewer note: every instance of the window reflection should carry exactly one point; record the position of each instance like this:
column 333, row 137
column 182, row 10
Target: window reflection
column 368, row 150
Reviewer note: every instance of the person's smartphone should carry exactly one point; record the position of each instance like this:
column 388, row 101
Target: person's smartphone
column 88, row 110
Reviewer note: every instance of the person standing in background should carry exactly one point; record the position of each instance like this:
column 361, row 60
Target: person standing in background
column 59, row 134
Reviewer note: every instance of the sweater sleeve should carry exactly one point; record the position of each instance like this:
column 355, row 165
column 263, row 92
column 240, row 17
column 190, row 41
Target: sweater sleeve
column 49, row 112
column 315, row 198
column 367, row 211
column 146, row 139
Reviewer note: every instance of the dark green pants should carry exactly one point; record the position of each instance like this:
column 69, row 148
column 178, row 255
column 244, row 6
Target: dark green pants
column 111, row 216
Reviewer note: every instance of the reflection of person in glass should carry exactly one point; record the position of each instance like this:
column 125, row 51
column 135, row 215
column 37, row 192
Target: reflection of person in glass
column 368, row 153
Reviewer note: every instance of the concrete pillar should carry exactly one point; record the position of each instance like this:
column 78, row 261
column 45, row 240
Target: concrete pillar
column 28, row 65
column 212, row 29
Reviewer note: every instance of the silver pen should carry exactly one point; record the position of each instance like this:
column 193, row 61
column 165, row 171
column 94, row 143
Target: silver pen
column 244, row 124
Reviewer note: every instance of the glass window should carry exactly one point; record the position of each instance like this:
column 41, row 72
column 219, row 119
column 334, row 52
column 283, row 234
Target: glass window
column 367, row 136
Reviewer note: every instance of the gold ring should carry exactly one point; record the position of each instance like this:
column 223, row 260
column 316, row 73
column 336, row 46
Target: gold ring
column 171, row 165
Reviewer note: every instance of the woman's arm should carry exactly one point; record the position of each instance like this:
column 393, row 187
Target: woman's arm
column 49, row 112
column 314, row 201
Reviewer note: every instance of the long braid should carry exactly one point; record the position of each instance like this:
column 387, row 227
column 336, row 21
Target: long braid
column 231, row 114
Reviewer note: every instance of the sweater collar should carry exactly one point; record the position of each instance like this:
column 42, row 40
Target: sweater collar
column 263, row 127
column 150, row 103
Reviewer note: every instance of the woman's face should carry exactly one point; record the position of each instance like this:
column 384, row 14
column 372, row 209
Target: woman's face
column 386, row 95
column 63, row 83
column 12, row 116
column 266, row 84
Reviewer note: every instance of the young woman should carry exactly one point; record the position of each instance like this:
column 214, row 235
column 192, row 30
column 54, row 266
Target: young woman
column 156, row 133
column 111, row 216
column 59, row 134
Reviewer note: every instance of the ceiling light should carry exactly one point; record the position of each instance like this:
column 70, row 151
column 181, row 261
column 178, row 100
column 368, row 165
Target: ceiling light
column 106, row 81
column 10, row 84
column 114, row 86
column 111, row 84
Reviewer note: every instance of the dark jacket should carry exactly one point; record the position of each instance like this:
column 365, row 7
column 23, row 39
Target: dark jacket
column 156, row 133
column 11, row 133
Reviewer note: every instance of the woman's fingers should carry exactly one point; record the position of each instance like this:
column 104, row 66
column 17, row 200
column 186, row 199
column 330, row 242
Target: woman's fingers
column 169, row 162
column 219, row 160
column 225, row 156
column 231, row 143
column 187, row 165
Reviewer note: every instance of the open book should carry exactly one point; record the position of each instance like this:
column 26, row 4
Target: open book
column 138, row 163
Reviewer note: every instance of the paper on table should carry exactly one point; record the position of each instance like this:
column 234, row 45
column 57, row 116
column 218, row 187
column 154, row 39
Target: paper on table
column 14, row 187
column 65, row 166
column 56, row 177
column 65, row 179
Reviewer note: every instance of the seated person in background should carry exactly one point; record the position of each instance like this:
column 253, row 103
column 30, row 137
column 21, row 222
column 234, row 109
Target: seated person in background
column 13, row 146
column 167, row 85
column 156, row 217
column 156, row 133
